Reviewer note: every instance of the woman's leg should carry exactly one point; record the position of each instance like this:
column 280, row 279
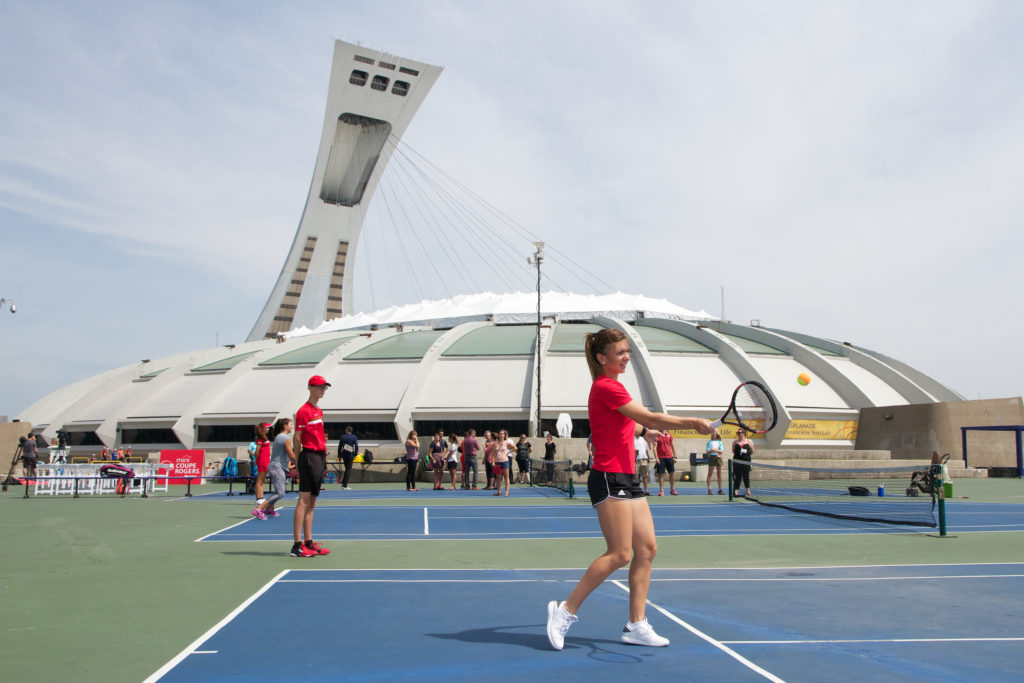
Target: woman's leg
column 260, row 478
column 277, row 479
column 616, row 520
column 645, row 547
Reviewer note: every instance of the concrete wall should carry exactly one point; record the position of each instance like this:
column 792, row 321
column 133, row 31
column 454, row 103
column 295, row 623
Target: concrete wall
column 914, row 431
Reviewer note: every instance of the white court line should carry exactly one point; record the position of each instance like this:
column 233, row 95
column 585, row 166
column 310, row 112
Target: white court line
column 879, row 640
column 700, row 634
column 214, row 533
column 193, row 647
column 852, row 578
column 426, row 523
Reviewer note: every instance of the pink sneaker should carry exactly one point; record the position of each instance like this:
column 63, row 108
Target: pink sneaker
column 258, row 514
column 271, row 512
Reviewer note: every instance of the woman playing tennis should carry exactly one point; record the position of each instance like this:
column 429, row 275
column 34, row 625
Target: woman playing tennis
column 615, row 421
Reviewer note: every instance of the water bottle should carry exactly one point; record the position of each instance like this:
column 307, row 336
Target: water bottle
column 881, row 491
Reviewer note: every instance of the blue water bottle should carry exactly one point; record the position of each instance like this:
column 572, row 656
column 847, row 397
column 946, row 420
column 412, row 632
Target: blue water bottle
column 881, row 491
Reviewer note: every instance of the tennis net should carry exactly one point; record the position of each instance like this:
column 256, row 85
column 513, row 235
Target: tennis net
column 889, row 495
column 556, row 473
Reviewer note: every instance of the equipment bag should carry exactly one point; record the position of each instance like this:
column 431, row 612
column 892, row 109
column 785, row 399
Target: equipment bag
column 230, row 468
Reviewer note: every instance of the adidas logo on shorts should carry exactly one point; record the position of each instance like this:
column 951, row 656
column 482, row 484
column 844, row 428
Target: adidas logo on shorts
column 621, row 493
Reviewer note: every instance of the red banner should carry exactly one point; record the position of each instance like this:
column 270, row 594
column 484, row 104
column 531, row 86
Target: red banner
column 184, row 465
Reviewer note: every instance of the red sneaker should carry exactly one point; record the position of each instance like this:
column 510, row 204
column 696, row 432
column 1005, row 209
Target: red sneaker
column 299, row 550
column 316, row 548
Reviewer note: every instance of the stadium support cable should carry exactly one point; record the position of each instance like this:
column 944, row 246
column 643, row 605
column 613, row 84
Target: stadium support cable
column 887, row 495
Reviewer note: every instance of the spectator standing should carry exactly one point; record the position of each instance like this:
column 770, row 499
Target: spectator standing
column 523, row 450
column 311, row 441
column 489, row 446
column 666, row 452
column 347, row 449
column 412, row 460
column 713, row 452
column 550, row 448
column 469, row 448
column 643, row 461
column 742, row 450
column 29, row 456
column 453, row 459
column 436, row 451
column 502, row 448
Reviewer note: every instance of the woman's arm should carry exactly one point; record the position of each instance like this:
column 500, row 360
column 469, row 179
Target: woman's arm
column 635, row 411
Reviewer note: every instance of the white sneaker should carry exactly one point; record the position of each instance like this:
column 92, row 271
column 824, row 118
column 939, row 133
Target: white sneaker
column 642, row 633
column 346, row 488
column 259, row 502
column 559, row 622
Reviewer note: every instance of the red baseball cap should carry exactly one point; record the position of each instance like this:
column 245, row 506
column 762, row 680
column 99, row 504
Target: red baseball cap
column 317, row 381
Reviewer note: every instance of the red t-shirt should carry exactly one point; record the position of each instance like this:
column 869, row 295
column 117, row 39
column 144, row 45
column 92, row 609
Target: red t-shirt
column 612, row 433
column 665, row 445
column 309, row 423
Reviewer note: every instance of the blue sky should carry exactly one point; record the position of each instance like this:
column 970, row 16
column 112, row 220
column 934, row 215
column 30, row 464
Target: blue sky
column 844, row 169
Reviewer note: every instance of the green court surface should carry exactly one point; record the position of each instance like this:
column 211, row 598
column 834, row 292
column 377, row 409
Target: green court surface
column 110, row 589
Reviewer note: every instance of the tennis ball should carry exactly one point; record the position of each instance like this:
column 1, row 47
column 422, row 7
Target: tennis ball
column 686, row 477
column 803, row 379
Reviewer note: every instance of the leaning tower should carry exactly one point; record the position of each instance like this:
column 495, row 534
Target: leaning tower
column 371, row 98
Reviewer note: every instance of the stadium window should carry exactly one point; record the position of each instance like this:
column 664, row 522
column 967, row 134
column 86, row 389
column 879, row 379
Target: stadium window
column 386, row 65
column 400, row 88
column 358, row 77
column 364, row 60
column 380, row 83
column 407, row 70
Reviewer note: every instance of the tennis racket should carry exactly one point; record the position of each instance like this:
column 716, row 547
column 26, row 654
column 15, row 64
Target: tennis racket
column 751, row 408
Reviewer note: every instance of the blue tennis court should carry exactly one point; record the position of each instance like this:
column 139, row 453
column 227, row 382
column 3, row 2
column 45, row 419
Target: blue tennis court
column 892, row 623
column 507, row 521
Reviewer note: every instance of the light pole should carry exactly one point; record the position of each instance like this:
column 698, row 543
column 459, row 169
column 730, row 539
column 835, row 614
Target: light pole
column 9, row 302
column 536, row 260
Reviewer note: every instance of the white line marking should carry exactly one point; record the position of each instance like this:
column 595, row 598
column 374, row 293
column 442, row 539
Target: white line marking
column 700, row 634
column 426, row 523
column 205, row 652
column 214, row 533
column 209, row 634
column 880, row 640
column 852, row 578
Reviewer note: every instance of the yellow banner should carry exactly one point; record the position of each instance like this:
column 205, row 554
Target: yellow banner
column 824, row 430
column 727, row 432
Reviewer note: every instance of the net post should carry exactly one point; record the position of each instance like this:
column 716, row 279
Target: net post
column 572, row 489
column 145, row 483
column 26, row 488
column 188, row 487
column 730, row 480
column 76, row 486
column 940, row 487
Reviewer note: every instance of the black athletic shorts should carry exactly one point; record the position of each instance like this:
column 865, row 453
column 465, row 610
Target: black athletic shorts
column 665, row 465
column 311, row 466
column 617, row 485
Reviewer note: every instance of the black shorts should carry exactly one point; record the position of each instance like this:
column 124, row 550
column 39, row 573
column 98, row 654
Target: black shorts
column 524, row 464
column 311, row 466
column 665, row 465
column 616, row 485
column 453, row 464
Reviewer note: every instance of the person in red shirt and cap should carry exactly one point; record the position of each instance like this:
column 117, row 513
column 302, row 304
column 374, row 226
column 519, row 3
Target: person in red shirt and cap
column 310, row 441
